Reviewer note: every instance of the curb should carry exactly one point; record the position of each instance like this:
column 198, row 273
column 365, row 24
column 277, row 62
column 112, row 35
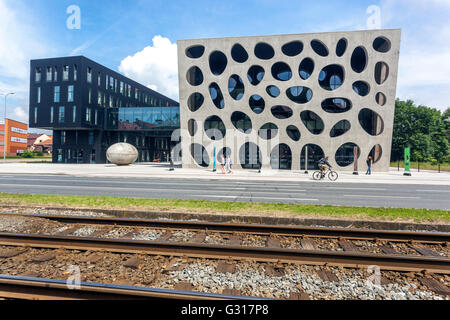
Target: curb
column 321, row 222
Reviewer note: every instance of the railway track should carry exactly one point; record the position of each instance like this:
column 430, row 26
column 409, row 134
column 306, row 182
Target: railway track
column 29, row 288
column 263, row 229
column 349, row 256
column 424, row 260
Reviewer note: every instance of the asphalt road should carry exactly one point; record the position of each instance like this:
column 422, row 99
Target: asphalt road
column 334, row 193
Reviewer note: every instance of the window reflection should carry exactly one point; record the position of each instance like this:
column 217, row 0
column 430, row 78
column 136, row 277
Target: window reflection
column 145, row 118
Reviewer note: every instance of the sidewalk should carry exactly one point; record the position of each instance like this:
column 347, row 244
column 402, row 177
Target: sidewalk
column 161, row 170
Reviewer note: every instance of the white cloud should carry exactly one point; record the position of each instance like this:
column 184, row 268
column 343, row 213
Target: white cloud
column 20, row 114
column 20, row 41
column 156, row 67
column 424, row 65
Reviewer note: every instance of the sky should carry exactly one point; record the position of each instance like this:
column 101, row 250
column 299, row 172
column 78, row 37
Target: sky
column 138, row 37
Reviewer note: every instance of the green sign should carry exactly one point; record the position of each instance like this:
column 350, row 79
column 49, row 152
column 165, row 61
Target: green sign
column 407, row 159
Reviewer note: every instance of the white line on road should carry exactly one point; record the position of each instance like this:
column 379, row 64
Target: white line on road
column 43, row 186
column 361, row 188
column 371, row 196
column 446, row 191
column 237, row 197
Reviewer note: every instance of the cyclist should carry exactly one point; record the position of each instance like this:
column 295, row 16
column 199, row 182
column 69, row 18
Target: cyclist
column 324, row 165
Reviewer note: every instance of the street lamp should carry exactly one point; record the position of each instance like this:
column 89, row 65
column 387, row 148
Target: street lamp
column 4, row 133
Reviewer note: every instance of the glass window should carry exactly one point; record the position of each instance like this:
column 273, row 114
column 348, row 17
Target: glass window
column 69, row 94
column 111, row 101
column 89, row 75
column 90, row 96
column 99, row 98
column 93, row 156
column 35, row 114
column 39, row 95
column 63, row 137
column 49, row 74
column 88, row 115
column 106, row 82
column 65, row 73
column 61, row 114
column 91, row 137
column 75, row 72
column 52, row 111
column 111, row 83
column 56, row 94
column 96, row 117
column 99, row 79
column 56, row 74
column 38, row 75
column 74, row 115
column 121, row 87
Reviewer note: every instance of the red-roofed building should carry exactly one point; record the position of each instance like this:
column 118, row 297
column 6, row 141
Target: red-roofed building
column 45, row 146
column 40, row 142
column 13, row 137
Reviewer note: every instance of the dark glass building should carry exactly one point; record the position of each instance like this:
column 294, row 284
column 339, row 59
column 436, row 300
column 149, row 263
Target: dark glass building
column 90, row 107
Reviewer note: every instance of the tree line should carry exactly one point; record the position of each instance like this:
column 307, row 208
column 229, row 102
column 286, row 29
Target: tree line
column 425, row 130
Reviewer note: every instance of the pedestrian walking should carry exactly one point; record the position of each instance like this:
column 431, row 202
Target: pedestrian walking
column 369, row 165
column 229, row 165
column 222, row 164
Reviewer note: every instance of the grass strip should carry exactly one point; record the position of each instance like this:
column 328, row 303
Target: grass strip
column 226, row 207
column 422, row 166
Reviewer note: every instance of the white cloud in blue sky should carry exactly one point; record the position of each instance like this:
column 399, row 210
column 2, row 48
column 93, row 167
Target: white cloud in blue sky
column 155, row 66
column 124, row 36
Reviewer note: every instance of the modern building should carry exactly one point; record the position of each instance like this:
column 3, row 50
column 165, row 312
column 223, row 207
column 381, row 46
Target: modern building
column 90, row 107
column 285, row 101
column 13, row 137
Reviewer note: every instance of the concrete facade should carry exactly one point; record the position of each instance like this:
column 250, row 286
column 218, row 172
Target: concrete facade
column 369, row 56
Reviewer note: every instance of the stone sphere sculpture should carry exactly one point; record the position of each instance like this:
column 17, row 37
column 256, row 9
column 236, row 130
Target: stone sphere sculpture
column 122, row 154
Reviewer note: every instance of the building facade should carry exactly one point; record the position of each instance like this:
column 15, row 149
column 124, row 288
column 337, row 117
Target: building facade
column 90, row 107
column 13, row 137
column 285, row 101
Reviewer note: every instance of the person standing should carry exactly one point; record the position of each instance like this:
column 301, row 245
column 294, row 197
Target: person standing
column 229, row 165
column 369, row 165
column 222, row 163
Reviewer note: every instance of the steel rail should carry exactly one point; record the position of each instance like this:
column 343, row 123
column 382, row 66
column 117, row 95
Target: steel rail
column 27, row 288
column 287, row 230
column 267, row 254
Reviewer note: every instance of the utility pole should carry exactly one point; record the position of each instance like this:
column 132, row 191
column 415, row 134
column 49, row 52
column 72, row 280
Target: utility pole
column 4, row 134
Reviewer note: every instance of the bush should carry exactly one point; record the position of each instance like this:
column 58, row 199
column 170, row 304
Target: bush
column 28, row 154
column 40, row 154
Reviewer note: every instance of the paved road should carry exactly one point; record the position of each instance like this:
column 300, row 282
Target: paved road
column 376, row 195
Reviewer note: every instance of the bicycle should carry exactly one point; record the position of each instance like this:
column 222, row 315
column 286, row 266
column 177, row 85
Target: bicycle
column 332, row 175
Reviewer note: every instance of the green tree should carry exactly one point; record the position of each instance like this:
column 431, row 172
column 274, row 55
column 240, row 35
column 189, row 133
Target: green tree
column 446, row 119
column 421, row 128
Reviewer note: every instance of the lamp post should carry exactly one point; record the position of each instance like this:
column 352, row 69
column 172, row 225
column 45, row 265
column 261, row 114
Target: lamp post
column 4, row 134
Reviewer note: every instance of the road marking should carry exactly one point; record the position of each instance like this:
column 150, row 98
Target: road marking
column 219, row 189
column 155, row 183
column 371, row 196
column 433, row 191
column 253, row 198
column 361, row 188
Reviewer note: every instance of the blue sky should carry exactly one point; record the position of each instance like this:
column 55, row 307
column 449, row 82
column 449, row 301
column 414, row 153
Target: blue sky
column 122, row 35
